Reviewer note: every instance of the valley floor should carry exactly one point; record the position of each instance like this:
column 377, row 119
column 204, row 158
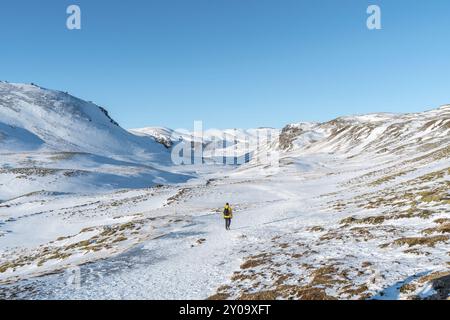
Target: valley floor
column 312, row 229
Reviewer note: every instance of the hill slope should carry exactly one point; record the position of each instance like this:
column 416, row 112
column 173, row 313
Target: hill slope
column 65, row 123
column 52, row 141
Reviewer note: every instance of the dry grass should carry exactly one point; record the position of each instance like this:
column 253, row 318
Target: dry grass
column 289, row 292
column 239, row 276
column 360, row 291
column 316, row 229
column 120, row 239
column 443, row 228
column 56, row 256
column 362, row 232
column 389, row 178
column 262, row 295
column 418, row 241
column 417, row 252
column 408, row 288
column 367, row 220
column 327, row 276
column 255, row 261
column 434, row 276
column 331, row 235
column 219, row 297
column 442, row 221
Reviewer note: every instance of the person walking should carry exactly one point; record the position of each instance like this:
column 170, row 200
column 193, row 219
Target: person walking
column 227, row 215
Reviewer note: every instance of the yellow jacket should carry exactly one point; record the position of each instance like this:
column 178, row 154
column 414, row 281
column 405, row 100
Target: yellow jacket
column 230, row 212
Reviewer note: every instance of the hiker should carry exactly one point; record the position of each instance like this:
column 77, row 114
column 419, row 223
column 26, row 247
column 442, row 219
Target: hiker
column 227, row 215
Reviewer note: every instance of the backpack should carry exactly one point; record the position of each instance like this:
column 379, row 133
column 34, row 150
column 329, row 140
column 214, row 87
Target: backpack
column 226, row 211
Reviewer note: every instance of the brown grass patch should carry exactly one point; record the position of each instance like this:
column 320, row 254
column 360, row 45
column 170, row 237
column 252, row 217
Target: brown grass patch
column 442, row 221
column 255, row 261
column 418, row 241
column 262, row 295
column 433, row 276
column 358, row 291
column 219, row 296
column 327, row 276
column 316, row 229
column 289, row 292
column 368, row 220
column 239, row 276
column 408, row 288
column 443, row 228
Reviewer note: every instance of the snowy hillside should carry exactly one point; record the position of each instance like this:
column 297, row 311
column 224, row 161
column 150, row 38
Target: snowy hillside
column 354, row 208
column 376, row 133
column 52, row 141
column 58, row 121
column 165, row 136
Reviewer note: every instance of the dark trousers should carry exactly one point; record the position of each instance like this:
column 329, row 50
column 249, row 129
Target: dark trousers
column 227, row 223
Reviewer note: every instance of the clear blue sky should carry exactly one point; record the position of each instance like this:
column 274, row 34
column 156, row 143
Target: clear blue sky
column 232, row 63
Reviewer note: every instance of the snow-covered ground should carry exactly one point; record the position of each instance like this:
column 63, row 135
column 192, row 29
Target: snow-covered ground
column 285, row 227
column 356, row 208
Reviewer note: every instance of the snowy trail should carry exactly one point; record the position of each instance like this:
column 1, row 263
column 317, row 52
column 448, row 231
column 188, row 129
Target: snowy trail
column 177, row 265
column 167, row 262
column 187, row 262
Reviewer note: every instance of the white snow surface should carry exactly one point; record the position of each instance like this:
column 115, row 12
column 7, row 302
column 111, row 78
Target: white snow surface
column 355, row 208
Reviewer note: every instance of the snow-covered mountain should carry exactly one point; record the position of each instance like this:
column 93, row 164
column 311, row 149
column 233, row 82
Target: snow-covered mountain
column 218, row 146
column 375, row 135
column 52, row 141
column 165, row 136
column 381, row 133
column 38, row 118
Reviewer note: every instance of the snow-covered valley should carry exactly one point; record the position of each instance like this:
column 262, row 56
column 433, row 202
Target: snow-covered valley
column 355, row 208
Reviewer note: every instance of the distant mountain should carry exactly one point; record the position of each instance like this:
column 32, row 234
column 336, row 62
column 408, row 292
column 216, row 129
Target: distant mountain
column 229, row 143
column 381, row 133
